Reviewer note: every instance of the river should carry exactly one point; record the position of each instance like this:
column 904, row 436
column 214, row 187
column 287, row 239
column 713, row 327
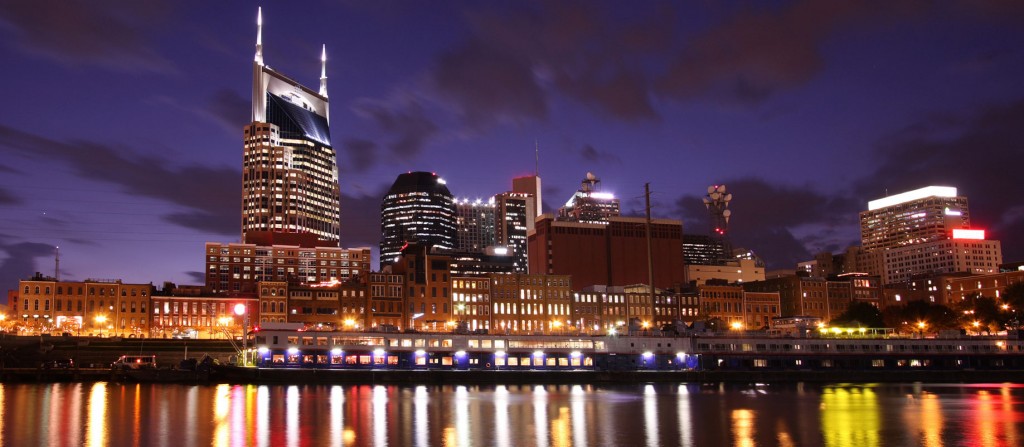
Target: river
column 115, row 414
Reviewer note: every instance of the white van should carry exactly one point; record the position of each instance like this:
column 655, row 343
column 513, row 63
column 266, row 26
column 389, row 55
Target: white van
column 135, row 362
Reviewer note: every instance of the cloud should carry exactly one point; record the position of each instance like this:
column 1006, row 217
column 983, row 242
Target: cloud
column 8, row 198
column 757, row 52
column 774, row 219
column 109, row 34
column 591, row 154
column 977, row 152
column 405, row 121
column 362, row 153
column 488, row 82
column 210, row 192
column 196, row 277
column 230, row 109
column 360, row 217
column 21, row 261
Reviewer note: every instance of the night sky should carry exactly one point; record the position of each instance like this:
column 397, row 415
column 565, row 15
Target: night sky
column 121, row 130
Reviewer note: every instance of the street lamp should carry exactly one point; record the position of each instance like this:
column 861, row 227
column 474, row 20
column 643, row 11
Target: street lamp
column 240, row 310
column 100, row 321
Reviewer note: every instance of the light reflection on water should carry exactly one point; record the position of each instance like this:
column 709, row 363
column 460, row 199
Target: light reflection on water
column 103, row 414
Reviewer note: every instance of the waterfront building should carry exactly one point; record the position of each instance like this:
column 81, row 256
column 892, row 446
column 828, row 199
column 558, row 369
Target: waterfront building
column 956, row 288
column 192, row 316
column 94, row 306
column 471, row 301
column 273, row 301
column 589, row 204
column 801, row 296
column 598, row 309
column 233, row 268
column 427, row 277
column 387, row 301
column 289, row 169
column 528, row 303
column 418, row 208
column 611, row 253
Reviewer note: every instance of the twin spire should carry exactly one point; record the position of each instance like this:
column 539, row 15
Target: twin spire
column 259, row 52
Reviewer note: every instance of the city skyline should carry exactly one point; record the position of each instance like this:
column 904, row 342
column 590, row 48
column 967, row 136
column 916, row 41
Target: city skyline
column 806, row 111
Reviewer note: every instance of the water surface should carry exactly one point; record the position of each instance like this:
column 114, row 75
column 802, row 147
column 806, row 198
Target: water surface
column 114, row 414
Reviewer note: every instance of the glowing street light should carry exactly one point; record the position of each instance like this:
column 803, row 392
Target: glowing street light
column 101, row 321
column 736, row 325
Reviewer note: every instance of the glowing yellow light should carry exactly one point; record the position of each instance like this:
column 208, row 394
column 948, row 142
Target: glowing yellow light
column 736, row 325
column 921, row 324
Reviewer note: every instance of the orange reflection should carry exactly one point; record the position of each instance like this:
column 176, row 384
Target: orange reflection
column 743, row 427
column 95, row 425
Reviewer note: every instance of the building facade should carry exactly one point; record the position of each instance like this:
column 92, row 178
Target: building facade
column 233, row 268
column 289, row 166
column 613, row 253
column 417, row 209
column 531, row 303
column 92, row 307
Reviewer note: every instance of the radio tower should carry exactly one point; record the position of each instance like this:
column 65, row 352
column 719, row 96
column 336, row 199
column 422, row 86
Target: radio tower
column 717, row 203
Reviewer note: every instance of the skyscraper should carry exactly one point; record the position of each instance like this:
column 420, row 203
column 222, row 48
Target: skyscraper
column 922, row 232
column 475, row 222
column 289, row 170
column 418, row 208
column 511, row 217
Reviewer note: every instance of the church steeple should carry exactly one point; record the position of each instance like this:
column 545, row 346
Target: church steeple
column 323, row 72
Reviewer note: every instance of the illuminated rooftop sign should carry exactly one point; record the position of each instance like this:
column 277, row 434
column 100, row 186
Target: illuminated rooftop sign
column 928, row 191
column 963, row 233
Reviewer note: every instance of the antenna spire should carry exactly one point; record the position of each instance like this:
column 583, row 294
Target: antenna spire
column 536, row 157
column 259, row 36
column 56, row 269
column 323, row 72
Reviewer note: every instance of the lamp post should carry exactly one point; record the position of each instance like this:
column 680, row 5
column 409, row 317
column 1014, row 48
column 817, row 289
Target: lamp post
column 101, row 322
column 240, row 310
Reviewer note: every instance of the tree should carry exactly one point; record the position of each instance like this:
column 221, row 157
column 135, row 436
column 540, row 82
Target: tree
column 860, row 314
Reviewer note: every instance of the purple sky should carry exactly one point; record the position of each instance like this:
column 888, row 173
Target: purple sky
column 120, row 139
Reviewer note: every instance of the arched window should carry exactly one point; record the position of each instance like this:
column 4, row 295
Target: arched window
column 47, row 290
column 37, row 290
column 60, row 291
column 264, row 306
column 35, row 305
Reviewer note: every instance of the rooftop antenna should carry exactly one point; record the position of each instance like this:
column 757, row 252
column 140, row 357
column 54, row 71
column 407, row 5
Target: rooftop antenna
column 56, row 268
column 536, row 158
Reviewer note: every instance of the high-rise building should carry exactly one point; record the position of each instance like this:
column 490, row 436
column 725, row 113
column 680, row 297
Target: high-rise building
column 926, row 231
column 588, row 204
column 530, row 184
column 511, row 217
column 475, row 223
column 922, row 215
column 418, row 208
column 289, row 170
